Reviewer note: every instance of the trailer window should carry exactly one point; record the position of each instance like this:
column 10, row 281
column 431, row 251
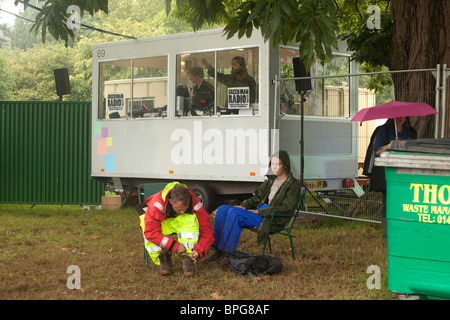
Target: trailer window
column 237, row 72
column 115, row 86
column 149, row 88
column 195, row 92
column 334, row 99
column 329, row 97
column 221, row 82
column 133, row 88
column 289, row 98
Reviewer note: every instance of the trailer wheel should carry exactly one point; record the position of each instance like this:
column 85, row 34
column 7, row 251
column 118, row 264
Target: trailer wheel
column 206, row 196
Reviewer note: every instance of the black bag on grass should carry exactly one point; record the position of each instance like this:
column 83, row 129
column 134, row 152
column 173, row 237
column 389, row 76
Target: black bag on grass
column 255, row 266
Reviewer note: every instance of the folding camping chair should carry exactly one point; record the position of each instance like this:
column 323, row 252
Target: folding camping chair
column 148, row 189
column 287, row 229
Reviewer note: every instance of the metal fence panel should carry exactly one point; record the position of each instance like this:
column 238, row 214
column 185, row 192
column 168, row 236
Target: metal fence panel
column 331, row 102
column 45, row 152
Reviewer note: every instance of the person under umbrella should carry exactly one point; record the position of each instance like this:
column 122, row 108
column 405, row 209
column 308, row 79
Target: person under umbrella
column 394, row 129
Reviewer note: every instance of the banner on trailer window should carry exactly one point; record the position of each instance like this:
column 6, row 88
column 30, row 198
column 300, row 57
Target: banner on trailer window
column 239, row 98
column 115, row 102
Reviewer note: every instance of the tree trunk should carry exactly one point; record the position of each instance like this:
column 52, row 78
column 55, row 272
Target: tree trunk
column 421, row 40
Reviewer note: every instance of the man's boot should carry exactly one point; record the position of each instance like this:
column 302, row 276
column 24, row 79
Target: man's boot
column 188, row 267
column 165, row 267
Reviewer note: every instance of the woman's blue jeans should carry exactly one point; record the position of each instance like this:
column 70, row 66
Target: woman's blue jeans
column 229, row 222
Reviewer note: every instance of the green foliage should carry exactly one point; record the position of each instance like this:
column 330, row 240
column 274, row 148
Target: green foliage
column 315, row 24
column 5, row 34
column 5, row 79
column 53, row 16
column 369, row 47
column 312, row 23
column 197, row 12
column 31, row 63
column 21, row 36
column 317, row 30
column 33, row 77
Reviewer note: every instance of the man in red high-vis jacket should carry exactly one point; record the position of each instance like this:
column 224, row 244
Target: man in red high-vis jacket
column 176, row 210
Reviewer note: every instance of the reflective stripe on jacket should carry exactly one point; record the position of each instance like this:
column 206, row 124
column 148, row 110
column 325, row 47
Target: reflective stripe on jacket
column 184, row 226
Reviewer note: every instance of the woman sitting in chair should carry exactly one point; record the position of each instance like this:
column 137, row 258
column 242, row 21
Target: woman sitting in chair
column 280, row 193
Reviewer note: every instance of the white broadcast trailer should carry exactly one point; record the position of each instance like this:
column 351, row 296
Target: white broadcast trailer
column 150, row 125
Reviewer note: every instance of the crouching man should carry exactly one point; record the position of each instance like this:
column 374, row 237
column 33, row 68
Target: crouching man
column 176, row 222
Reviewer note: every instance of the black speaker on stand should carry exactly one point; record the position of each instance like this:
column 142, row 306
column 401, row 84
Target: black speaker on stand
column 62, row 82
column 302, row 86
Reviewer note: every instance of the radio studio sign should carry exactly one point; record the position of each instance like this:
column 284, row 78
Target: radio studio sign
column 115, row 102
column 239, row 98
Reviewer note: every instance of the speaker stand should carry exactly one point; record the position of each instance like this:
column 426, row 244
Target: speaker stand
column 302, row 151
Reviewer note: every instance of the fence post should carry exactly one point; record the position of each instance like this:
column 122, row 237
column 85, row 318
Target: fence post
column 443, row 97
column 437, row 76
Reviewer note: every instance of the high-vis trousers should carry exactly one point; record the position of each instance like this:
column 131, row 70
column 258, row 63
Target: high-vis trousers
column 186, row 228
column 228, row 224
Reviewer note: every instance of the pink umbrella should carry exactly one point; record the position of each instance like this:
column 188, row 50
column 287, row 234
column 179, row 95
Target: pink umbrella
column 394, row 109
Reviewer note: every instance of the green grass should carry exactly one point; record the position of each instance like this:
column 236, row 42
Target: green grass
column 38, row 245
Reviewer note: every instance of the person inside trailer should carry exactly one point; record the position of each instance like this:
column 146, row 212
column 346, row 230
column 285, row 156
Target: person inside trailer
column 202, row 94
column 238, row 77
